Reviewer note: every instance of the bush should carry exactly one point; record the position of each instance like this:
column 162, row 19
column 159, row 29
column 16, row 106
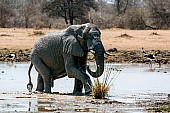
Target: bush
column 132, row 19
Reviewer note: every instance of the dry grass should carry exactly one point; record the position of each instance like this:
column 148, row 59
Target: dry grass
column 125, row 36
column 101, row 89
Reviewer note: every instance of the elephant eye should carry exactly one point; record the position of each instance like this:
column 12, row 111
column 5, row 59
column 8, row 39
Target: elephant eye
column 96, row 35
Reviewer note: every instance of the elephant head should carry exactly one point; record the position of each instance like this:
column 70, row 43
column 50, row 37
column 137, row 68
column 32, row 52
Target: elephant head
column 88, row 37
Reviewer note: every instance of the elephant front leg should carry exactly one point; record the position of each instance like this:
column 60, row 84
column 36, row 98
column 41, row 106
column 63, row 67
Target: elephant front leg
column 40, row 83
column 75, row 68
column 78, row 86
column 88, row 87
column 73, row 72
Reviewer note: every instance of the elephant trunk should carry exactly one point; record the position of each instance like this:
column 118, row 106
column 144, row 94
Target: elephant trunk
column 99, row 58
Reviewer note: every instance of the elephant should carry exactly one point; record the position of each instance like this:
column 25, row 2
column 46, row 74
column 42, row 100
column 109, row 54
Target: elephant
column 64, row 53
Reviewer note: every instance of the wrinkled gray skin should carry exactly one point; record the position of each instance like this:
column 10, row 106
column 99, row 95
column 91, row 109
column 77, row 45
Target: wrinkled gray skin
column 64, row 53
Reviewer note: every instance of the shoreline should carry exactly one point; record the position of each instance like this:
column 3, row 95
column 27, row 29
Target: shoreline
column 120, row 56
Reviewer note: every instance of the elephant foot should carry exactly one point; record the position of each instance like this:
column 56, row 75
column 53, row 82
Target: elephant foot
column 87, row 88
column 39, row 88
column 47, row 91
column 77, row 94
column 37, row 92
column 43, row 91
column 89, row 92
column 78, row 87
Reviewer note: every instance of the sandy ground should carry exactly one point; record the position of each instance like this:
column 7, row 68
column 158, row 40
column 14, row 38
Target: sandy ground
column 15, row 38
column 136, row 39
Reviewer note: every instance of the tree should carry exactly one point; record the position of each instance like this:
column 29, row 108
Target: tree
column 70, row 10
column 5, row 12
column 159, row 13
column 28, row 11
column 121, row 6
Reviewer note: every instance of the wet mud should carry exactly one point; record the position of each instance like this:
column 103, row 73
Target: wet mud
column 22, row 102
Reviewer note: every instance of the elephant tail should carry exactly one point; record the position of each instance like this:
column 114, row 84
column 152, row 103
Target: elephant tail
column 30, row 85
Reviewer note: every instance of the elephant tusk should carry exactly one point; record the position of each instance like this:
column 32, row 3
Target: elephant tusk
column 93, row 52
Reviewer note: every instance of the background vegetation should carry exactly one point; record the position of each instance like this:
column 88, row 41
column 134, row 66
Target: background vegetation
column 128, row 14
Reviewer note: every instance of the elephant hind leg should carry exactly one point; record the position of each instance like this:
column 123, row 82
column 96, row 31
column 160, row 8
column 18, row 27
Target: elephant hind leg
column 45, row 73
column 40, row 84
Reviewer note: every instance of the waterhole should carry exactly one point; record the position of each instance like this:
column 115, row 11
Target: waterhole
column 132, row 89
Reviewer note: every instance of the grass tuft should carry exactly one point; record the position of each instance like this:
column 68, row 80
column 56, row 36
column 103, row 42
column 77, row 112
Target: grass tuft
column 101, row 89
column 125, row 35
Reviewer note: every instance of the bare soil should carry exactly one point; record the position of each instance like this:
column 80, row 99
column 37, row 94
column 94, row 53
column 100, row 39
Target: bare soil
column 16, row 38
column 136, row 39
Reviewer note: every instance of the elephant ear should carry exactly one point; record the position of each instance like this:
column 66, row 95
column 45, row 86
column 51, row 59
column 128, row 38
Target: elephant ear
column 72, row 46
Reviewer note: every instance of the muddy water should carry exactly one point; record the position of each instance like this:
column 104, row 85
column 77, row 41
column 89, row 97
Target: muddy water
column 136, row 83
